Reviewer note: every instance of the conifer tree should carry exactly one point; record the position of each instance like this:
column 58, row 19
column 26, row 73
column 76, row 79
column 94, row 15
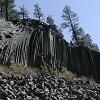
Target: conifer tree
column 70, row 21
column 38, row 14
column 23, row 13
column 50, row 20
column 7, row 5
column 85, row 40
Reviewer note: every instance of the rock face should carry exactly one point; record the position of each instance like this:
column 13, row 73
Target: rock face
column 47, row 88
column 31, row 42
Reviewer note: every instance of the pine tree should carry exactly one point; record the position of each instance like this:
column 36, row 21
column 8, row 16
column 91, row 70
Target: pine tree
column 23, row 13
column 1, row 8
column 13, row 15
column 85, row 40
column 71, row 21
column 88, row 42
column 6, row 7
column 37, row 12
column 50, row 20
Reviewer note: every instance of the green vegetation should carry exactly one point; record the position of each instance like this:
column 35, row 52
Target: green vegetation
column 38, row 14
column 23, row 13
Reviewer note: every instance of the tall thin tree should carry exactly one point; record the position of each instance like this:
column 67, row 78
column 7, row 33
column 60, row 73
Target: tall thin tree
column 7, row 5
column 71, row 21
column 2, row 8
column 23, row 12
column 37, row 12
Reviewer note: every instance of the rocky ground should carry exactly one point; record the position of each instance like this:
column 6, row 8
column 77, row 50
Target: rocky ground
column 45, row 87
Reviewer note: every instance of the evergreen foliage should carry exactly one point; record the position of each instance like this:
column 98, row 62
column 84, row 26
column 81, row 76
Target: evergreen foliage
column 50, row 20
column 7, row 9
column 23, row 13
column 70, row 21
column 38, row 14
column 78, row 34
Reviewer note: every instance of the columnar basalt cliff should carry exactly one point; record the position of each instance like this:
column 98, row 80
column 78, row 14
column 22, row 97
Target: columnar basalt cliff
column 31, row 42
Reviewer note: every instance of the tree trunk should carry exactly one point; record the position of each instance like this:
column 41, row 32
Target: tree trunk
column 39, row 18
column 72, row 27
column 6, row 10
column 23, row 16
column 1, row 12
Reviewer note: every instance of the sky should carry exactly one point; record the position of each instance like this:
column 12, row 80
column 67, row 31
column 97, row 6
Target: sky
column 88, row 12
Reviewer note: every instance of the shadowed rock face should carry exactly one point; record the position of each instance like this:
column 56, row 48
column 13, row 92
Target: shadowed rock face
column 46, row 87
column 32, row 42
column 25, row 45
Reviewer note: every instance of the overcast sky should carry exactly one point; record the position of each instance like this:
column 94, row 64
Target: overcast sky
column 87, row 10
